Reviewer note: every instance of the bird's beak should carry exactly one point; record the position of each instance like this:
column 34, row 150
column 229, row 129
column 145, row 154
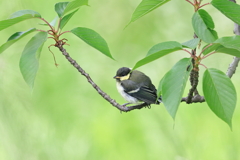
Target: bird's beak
column 115, row 77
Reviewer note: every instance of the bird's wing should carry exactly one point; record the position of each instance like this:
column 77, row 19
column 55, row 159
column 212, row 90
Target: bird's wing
column 141, row 92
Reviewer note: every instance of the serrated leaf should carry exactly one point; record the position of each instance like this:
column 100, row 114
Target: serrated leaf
column 192, row 44
column 203, row 26
column 145, row 7
column 157, row 51
column 14, row 38
column 230, row 42
column 174, row 84
column 220, row 94
column 18, row 17
column 228, row 8
column 74, row 5
column 60, row 7
column 66, row 18
column 30, row 55
column 93, row 39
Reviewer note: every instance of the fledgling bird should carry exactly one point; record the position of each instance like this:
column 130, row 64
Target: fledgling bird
column 134, row 86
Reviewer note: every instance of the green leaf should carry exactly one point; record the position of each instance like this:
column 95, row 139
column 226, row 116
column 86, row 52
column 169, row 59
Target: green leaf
column 157, row 51
column 209, row 49
column 30, row 55
column 174, row 84
column 145, row 7
column 159, row 91
column 14, row 38
column 18, row 17
column 230, row 42
column 229, row 9
column 66, row 18
column 192, row 44
column 93, row 39
column 75, row 5
column 229, row 51
column 203, row 26
column 220, row 94
column 62, row 8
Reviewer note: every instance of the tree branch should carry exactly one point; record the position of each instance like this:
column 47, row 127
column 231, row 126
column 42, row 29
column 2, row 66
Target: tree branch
column 123, row 108
column 233, row 66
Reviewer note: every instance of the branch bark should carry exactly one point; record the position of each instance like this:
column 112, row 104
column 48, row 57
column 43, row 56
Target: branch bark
column 233, row 66
column 123, row 108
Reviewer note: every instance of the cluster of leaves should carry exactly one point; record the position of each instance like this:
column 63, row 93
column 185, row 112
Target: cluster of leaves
column 218, row 90
column 29, row 61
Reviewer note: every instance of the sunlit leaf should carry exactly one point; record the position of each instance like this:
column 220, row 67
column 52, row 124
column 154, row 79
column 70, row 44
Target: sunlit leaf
column 157, row 51
column 145, row 7
column 66, row 18
column 30, row 55
column 93, row 39
column 14, row 38
column 203, row 26
column 18, row 17
column 174, row 83
column 229, row 9
column 192, row 44
column 220, row 94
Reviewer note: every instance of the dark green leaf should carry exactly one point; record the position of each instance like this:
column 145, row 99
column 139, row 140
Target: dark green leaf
column 230, row 42
column 29, row 59
column 66, row 18
column 15, row 37
column 18, row 17
column 93, row 39
column 145, row 7
column 157, row 51
column 192, row 44
column 60, row 7
column 203, row 26
column 229, row 9
column 220, row 94
column 173, row 85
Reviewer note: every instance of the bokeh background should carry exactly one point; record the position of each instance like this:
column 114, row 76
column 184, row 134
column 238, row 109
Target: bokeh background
column 65, row 118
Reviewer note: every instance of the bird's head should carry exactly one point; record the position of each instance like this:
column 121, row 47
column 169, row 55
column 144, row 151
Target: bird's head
column 122, row 74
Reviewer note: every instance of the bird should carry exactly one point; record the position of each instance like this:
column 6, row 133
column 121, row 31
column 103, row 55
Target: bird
column 136, row 87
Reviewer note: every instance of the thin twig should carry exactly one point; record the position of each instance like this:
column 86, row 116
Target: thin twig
column 103, row 94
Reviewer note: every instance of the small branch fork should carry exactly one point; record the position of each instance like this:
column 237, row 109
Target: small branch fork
column 197, row 4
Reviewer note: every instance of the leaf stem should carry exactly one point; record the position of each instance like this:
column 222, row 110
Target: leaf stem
column 208, row 55
column 47, row 23
column 205, row 49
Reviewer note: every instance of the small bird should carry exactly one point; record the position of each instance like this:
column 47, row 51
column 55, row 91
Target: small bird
column 134, row 86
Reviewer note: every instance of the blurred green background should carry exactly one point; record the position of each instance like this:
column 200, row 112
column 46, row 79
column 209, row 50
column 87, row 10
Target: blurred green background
column 65, row 118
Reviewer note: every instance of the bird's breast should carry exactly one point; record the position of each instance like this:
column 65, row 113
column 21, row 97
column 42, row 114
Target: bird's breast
column 126, row 96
